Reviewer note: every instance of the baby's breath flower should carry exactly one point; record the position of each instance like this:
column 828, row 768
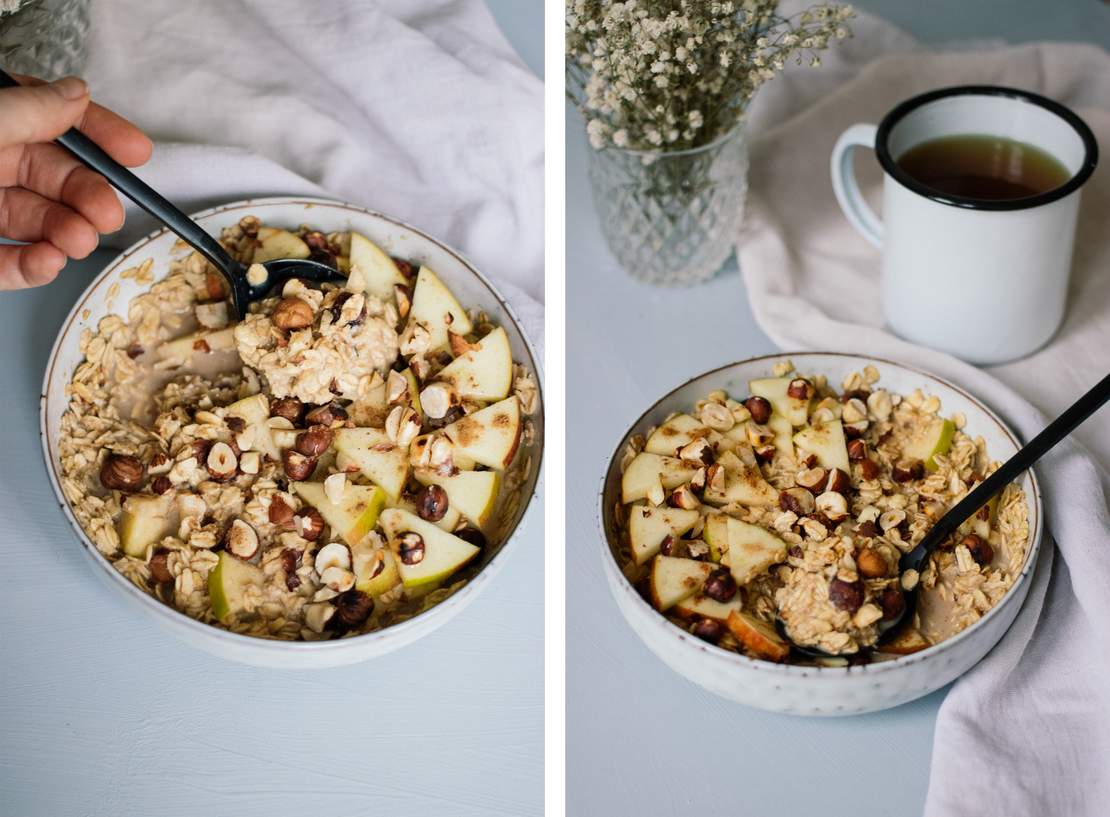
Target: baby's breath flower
column 680, row 73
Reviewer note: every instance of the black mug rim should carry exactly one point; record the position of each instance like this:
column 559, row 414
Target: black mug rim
column 899, row 112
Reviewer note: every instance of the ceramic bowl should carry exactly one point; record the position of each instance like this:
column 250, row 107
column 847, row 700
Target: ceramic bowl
column 109, row 292
column 805, row 690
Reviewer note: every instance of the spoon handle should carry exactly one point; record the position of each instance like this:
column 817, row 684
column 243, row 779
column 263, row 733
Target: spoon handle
column 1053, row 433
column 90, row 154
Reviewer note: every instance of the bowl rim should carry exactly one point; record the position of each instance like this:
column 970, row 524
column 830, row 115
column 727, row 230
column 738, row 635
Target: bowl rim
column 270, row 645
column 734, row 659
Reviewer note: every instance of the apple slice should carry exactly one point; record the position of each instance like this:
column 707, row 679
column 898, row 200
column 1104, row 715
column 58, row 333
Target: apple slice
column 675, row 433
column 365, row 561
column 370, row 409
column 757, row 636
column 715, row 533
column 773, row 390
column 489, row 436
column 743, row 484
column 377, row 457
column 701, row 606
column 376, row 267
column 673, row 580
column 443, row 552
column 826, row 442
column 646, row 471
column 227, row 582
column 353, row 516
column 146, row 520
column 183, row 349
column 473, row 493
column 437, row 309
column 784, row 435
column 648, row 527
column 751, row 550
column 275, row 244
column 929, row 438
column 485, row 373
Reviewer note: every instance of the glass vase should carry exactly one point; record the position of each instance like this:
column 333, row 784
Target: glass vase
column 672, row 217
column 44, row 38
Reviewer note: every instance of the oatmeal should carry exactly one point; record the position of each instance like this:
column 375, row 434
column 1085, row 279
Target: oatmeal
column 797, row 504
column 334, row 463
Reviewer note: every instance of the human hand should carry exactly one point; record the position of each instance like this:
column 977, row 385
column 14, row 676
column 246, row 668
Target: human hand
column 47, row 197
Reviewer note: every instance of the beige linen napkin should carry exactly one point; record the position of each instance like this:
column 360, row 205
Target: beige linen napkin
column 1028, row 730
column 417, row 108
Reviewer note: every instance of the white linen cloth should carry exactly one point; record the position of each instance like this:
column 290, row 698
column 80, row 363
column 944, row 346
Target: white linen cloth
column 417, row 108
column 1027, row 731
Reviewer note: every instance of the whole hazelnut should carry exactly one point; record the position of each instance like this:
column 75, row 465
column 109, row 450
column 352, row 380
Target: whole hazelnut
column 871, row 563
column 709, row 629
column 296, row 465
column 431, row 503
column 122, row 472
column 410, row 548
column 759, row 408
column 857, row 450
column 314, row 442
column 159, row 570
column 670, row 546
column 352, row 608
column 721, row 586
column 797, row 500
column 893, row 603
column 847, row 596
column 800, row 389
column 290, row 408
column 979, row 548
column 291, row 314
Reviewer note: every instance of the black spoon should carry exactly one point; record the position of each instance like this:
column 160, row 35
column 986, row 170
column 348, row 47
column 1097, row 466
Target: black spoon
column 963, row 510
column 243, row 292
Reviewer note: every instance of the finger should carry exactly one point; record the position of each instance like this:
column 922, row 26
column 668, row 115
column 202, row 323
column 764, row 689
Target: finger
column 40, row 113
column 30, row 265
column 27, row 216
column 50, row 171
column 117, row 136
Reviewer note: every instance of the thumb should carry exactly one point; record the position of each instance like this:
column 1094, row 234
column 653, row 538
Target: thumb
column 39, row 113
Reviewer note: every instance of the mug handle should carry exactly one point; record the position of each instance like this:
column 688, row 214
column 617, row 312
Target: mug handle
column 845, row 186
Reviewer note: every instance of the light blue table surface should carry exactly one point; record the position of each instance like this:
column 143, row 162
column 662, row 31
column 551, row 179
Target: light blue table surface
column 102, row 713
column 641, row 740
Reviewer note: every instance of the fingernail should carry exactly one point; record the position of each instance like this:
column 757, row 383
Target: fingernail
column 72, row 88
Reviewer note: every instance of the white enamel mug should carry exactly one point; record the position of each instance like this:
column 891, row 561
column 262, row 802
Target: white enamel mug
column 985, row 280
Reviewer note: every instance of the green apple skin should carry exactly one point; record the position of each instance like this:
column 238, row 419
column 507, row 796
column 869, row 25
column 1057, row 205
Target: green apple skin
column 146, row 519
column 354, row 517
column 226, row 582
column 934, row 440
column 444, row 553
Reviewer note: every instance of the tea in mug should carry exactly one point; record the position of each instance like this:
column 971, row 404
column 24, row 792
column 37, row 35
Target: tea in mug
column 979, row 166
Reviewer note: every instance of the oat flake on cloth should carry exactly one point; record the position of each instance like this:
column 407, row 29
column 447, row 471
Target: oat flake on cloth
column 1027, row 731
column 417, row 108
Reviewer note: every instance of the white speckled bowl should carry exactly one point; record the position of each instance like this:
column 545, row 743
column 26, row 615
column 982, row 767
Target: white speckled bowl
column 818, row 690
column 111, row 293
